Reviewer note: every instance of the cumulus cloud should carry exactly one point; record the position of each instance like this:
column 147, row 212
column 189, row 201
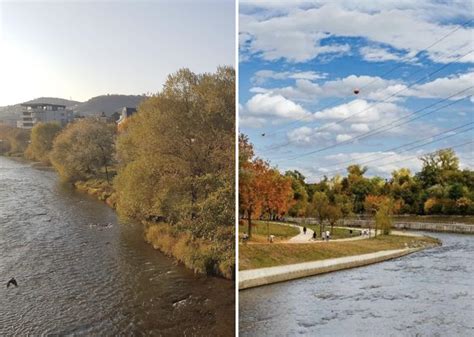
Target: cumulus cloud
column 374, row 87
column 277, row 106
column 361, row 111
column 301, row 34
column 379, row 54
column 444, row 87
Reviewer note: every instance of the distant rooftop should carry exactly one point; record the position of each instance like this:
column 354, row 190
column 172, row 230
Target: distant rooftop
column 36, row 105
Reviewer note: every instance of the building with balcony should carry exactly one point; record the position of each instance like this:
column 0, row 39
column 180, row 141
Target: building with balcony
column 35, row 113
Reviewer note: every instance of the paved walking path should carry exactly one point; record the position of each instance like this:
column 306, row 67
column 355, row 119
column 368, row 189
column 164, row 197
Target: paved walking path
column 301, row 237
column 308, row 238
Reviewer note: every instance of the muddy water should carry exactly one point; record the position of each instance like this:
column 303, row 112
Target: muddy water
column 81, row 272
column 429, row 293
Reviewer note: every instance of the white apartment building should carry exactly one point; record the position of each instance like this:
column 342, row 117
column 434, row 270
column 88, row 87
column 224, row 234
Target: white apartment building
column 44, row 113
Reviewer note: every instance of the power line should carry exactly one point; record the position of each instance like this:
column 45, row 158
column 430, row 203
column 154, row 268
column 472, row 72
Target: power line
column 404, row 145
column 413, row 147
column 385, row 100
column 389, row 125
column 413, row 157
column 381, row 76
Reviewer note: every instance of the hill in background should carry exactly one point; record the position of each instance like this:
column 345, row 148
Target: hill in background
column 94, row 106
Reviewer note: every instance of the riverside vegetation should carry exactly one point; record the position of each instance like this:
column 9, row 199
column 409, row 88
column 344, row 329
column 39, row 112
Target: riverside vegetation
column 441, row 188
column 171, row 166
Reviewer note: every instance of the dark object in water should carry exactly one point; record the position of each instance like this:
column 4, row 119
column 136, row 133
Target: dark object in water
column 356, row 91
column 12, row 281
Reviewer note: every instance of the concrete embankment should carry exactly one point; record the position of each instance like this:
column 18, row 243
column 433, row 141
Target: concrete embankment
column 264, row 276
column 453, row 227
column 422, row 226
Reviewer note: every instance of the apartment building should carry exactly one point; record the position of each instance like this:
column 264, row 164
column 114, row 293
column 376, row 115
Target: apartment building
column 34, row 113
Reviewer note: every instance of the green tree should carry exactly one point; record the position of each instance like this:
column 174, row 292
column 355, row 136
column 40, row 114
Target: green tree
column 83, row 149
column 382, row 219
column 319, row 209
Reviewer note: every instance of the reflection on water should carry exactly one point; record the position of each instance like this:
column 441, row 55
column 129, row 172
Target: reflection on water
column 80, row 272
column 429, row 293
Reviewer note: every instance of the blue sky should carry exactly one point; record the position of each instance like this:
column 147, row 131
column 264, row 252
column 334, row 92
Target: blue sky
column 74, row 49
column 301, row 61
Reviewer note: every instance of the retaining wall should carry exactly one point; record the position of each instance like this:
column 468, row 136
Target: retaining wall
column 263, row 276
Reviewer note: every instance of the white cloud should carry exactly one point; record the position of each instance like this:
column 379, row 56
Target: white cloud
column 361, row 111
column 378, row 54
column 360, row 127
column 343, row 137
column 444, row 87
column 262, row 76
column 277, row 106
column 297, row 35
column 373, row 87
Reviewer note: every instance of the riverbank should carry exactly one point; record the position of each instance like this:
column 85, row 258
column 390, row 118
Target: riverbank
column 210, row 257
column 253, row 256
column 266, row 264
column 264, row 276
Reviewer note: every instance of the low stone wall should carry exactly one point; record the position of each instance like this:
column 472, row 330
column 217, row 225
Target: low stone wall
column 264, row 276
column 422, row 226
column 399, row 224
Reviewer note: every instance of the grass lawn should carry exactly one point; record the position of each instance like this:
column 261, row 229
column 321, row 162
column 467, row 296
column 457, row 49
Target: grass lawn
column 261, row 230
column 269, row 255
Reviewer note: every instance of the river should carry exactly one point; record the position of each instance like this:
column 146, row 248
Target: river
column 82, row 272
column 429, row 293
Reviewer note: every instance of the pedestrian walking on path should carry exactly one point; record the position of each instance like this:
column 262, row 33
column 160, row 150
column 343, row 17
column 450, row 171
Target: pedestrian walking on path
column 304, row 230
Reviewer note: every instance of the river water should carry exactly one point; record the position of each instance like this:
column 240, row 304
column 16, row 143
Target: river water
column 429, row 293
column 81, row 272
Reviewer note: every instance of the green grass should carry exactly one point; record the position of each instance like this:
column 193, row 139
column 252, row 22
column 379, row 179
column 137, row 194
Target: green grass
column 261, row 230
column 269, row 255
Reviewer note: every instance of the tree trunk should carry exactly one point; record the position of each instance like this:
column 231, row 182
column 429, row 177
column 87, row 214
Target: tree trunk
column 249, row 219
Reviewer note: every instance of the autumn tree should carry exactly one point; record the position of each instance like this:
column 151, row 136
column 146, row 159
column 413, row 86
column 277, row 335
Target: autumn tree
column 42, row 137
column 176, row 157
column 83, row 149
column 252, row 184
column 13, row 141
column 334, row 214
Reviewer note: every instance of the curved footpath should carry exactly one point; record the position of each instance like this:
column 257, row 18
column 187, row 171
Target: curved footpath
column 264, row 276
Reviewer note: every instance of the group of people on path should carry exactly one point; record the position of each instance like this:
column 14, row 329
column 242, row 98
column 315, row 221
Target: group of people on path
column 326, row 235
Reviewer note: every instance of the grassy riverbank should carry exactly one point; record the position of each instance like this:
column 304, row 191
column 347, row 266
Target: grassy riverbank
column 98, row 188
column 270, row 255
column 211, row 257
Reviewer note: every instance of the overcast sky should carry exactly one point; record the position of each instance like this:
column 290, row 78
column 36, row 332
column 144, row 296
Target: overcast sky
column 77, row 50
column 301, row 61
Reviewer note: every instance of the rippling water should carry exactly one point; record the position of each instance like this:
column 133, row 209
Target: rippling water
column 80, row 272
column 429, row 293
